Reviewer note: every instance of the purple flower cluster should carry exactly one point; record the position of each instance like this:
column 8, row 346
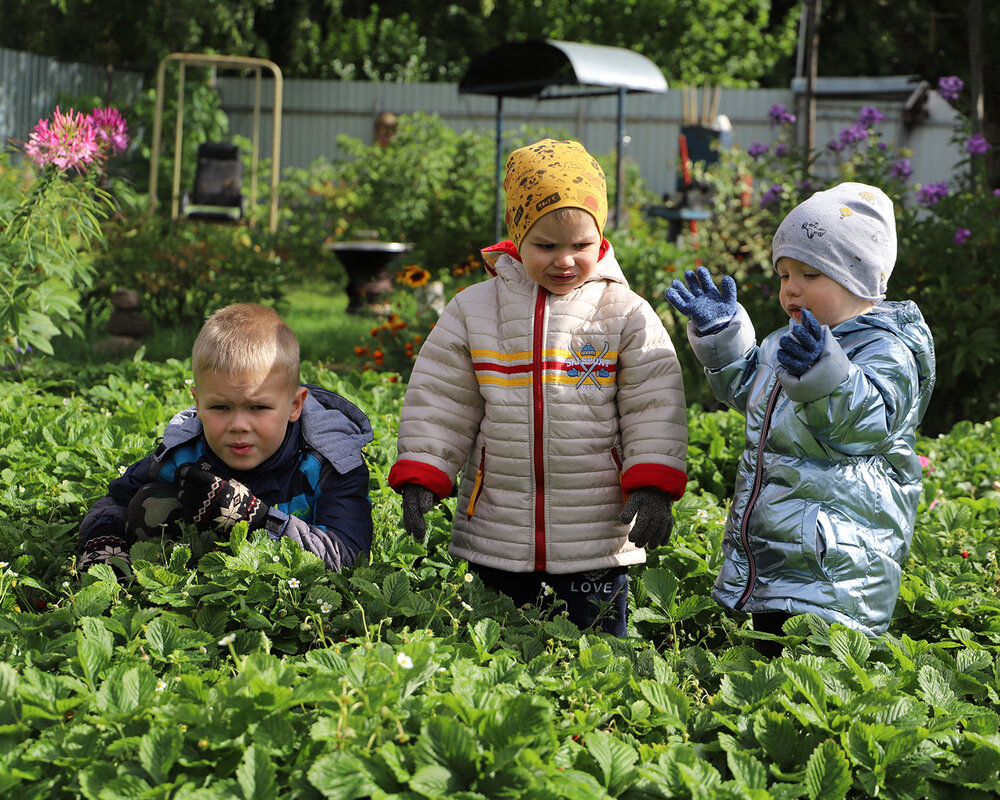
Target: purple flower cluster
column 950, row 87
column 869, row 116
column 780, row 115
column 961, row 234
column 855, row 133
column 977, row 145
column 757, row 149
column 901, row 169
column 930, row 194
column 771, row 196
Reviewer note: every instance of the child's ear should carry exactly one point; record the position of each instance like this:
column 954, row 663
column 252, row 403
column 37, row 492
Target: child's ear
column 297, row 402
column 194, row 393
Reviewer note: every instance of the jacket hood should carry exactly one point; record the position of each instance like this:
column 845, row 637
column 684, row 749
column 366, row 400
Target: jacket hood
column 504, row 261
column 905, row 321
column 338, row 437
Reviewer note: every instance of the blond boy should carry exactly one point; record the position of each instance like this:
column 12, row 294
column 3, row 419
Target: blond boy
column 257, row 446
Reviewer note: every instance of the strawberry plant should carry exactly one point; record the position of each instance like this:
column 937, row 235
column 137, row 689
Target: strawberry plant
column 242, row 668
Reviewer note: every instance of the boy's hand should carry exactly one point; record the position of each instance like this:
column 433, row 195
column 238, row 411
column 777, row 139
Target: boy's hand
column 709, row 309
column 800, row 349
column 417, row 501
column 654, row 518
column 212, row 503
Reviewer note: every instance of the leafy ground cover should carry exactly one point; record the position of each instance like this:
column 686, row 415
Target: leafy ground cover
column 240, row 669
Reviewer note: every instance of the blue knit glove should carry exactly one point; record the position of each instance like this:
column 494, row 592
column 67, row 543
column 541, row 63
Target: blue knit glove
column 800, row 349
column 709, row 309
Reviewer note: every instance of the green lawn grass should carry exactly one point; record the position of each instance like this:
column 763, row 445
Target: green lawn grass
column 315, row 309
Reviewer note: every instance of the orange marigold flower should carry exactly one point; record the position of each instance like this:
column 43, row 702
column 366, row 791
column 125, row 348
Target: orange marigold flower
column 360, row 351
column 378, row 354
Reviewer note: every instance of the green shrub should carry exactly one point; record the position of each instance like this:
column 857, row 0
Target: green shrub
column 431, row 187
column 948, row 262
column 185, row 269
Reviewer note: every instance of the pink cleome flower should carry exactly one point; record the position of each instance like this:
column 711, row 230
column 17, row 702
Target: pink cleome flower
column 111, row 130
column 69, row 142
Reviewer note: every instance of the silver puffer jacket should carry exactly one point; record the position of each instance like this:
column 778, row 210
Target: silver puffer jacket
column 827, row 491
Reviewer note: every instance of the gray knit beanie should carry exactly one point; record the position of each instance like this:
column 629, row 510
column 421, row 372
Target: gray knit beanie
column 848, row 233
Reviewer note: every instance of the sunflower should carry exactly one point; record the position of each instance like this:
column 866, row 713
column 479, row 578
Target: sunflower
column 413, row 276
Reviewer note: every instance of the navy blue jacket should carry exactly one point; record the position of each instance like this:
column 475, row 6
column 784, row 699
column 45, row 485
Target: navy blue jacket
column 317, row 479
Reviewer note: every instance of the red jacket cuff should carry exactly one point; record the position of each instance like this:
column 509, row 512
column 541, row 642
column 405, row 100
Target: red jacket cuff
column 405, row 472
column 668, row 479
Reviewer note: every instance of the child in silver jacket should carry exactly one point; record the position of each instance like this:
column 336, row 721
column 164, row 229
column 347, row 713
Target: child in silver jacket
column 829, row 481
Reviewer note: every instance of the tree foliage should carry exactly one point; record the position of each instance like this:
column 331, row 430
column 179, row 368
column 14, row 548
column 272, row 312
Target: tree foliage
column 736, row 42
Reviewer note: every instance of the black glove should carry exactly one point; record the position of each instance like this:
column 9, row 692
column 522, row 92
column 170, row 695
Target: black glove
column 101, row 548
column 417, row 501
column 654, row 517
column 800, row 349
column 216, row 504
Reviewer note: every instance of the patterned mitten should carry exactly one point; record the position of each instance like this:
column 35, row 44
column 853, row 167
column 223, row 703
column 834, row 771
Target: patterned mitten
column 654, row 518
column 417, row 501
column 709, row 309
column 800, row 349
column 101, row 548
column 216, row 504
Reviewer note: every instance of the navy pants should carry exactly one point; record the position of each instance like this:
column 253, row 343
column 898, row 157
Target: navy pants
column 597, row 599
column 769, row 622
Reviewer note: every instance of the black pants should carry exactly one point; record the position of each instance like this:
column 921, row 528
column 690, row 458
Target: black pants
column 583, row 592
column 769, row 622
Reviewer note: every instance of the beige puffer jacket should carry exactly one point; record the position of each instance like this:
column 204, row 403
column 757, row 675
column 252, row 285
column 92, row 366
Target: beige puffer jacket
column 555, row 406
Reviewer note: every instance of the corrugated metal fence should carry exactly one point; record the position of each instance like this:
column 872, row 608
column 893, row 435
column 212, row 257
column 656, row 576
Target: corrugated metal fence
column 32, row 86
column 315, row 112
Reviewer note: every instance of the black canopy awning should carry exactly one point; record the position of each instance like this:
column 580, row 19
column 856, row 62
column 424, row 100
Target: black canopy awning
column 552, row 70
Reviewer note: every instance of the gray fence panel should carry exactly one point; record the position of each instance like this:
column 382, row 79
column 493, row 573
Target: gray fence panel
column 316, row 112
column 31, row 86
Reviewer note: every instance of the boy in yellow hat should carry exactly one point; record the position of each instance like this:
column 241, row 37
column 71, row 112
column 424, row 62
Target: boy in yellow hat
column 556, row 392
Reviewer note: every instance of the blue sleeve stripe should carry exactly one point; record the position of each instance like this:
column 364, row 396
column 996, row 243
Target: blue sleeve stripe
column 184, row 454
column 300, row 506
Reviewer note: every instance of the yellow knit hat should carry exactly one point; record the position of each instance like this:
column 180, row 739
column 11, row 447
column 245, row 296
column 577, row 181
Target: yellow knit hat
column 548, row 175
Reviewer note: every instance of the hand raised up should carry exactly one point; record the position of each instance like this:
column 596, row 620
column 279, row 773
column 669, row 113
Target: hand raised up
column 709, row 308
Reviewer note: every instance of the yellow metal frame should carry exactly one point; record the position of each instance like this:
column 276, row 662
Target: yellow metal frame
column 208, row 60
